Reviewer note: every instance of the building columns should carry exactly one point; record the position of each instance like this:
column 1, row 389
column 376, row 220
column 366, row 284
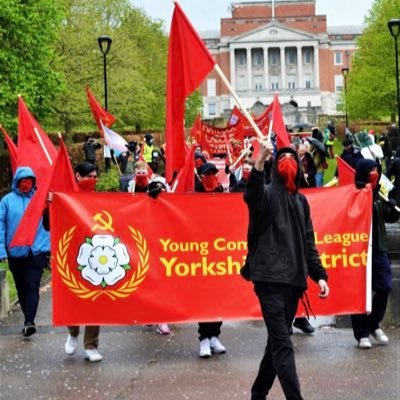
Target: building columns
column 266, row 68
column 233, row 68
column 316, row 67
column 299, row 68
column 283, row 68
column 249, row 70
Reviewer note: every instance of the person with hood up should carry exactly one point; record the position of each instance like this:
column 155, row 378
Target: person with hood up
column 26, row 262
column 282, row 254
column 364, row 325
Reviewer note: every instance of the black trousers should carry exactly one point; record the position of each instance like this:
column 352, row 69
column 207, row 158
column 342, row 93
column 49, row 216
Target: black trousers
column 278, row 305
column 27, row 273
column 209, row 329
column 364, row 324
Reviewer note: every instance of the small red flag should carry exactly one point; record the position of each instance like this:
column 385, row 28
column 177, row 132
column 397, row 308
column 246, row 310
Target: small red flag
column 278, row 126
column 185, row 178
column 12, row 149
column 189, row 62
column 59, row 178
column 99, row 113
column 35, row 149
column 345, row 172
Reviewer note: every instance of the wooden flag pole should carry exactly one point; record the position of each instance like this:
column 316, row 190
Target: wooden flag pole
column 238, row 101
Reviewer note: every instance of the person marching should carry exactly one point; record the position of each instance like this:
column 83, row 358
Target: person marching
column 282, row 254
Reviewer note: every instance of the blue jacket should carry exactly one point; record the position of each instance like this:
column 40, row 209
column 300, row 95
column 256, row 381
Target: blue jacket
column 12, row 208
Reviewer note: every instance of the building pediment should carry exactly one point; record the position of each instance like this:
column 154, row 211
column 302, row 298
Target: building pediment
column 274, row 32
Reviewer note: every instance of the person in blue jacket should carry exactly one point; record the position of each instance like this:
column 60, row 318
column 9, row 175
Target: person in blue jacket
column 26, row 262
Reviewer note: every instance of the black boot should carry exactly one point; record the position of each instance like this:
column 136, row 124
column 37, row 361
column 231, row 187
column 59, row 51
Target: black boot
column 304, row 325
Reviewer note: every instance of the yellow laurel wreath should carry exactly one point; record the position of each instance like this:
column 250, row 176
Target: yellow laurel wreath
column 82, row 291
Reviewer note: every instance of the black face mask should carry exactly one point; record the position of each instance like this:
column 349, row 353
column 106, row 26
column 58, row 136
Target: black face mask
column 149, row 142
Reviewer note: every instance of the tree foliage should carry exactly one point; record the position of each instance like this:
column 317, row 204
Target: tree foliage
column 372, row 80
column 28, row 30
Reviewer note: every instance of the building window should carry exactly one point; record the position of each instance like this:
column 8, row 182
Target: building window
column 308, row 104
column 291, row 57
column 338, row 83
column 338, row 58
column 212, row 109
column 274, row 58
column 308, row 84
column 259, row 59
column 211, row 87
column 274, row 82
column 307, row 56
column 258, row 86
column 242, row 59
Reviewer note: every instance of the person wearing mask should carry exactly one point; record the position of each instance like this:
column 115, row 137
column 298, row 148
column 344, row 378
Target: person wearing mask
column 240, row 186
column 126, row 162
column 90, row 148
column 26, row 263
column 364, row 325
column 209, row 331
column 148, row 148
column 282, row 254
column 86, row 176
column 141, row 179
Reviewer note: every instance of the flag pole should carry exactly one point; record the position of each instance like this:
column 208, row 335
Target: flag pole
column 43, row 146
column 238, row 101
column 242, row 154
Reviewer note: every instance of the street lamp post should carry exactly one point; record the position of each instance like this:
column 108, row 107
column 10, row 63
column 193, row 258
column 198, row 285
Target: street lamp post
column 345, row 72
column 394, row 28
column 105, row 44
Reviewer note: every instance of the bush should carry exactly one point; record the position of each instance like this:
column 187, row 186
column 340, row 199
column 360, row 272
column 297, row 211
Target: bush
column 108, row 181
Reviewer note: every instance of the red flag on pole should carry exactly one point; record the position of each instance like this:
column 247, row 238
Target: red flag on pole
column 278, row 126
column 59, row 178
column 12, row 149
column 99, row 113
column 35, row 149
column 189, row 62
column 185, row 178
column 345, row 172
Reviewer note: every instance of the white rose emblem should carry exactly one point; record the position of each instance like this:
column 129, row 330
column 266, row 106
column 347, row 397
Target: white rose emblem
column 103, row 260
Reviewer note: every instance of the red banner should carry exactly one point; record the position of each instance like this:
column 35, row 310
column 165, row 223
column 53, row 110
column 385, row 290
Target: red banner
column 119, row 258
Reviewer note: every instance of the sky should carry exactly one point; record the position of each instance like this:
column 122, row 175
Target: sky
column 206, row 14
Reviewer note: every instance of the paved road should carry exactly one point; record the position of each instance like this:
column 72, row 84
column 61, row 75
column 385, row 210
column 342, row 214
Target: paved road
column 139, row 364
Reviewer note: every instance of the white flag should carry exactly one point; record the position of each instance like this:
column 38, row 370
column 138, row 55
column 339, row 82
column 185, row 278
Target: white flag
column 113, row 140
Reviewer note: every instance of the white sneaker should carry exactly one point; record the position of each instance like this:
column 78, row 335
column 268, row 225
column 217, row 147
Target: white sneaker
column 205, row 350
column 364, row 343
column 216, row 346
column 163, row 329
column 71, row 344
column 380, row 336
column 93, row 355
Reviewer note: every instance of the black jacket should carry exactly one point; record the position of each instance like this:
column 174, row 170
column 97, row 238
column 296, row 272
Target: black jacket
column 280, row 235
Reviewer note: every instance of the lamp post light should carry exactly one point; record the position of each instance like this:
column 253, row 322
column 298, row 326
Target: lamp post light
column 105, row 44
column 394, row 28
column 345, row 72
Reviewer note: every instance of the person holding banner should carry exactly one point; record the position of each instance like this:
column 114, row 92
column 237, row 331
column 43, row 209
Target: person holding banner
column 364, row 325
column 26, row 262
column 282, row 254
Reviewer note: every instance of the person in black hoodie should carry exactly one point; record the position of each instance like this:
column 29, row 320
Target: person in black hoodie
column 369, row 172
column 282, row 254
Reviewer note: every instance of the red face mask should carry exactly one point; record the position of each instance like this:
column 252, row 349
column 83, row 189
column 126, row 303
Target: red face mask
column 87, row 184
column 142, row 180
column 373, row 179
column 245, row 175
column 210, row 182
column 25, row 185
column 287, row 168
column 198, row 162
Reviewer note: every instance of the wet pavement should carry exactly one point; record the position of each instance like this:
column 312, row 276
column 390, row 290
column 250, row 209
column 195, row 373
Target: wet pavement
column 142, row 365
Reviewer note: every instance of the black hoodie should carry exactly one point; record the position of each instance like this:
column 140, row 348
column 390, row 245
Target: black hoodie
column 280, row 236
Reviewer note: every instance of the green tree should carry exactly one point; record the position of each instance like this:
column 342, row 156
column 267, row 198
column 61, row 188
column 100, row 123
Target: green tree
column 135, row 64
column 194, row 106
column 28, row 31
column 372, row 80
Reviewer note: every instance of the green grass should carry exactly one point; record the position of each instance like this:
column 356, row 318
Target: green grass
column 329, row 173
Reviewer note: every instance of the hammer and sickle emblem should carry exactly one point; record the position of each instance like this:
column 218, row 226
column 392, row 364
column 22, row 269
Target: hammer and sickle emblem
column 104, row 220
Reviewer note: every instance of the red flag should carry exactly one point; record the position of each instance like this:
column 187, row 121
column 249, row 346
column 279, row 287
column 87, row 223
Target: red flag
column 12, row 150
column 189, row 62
column 346, row 172
column 35, row 149
column 256, row 147
column 59, row 178
column 278, row 126
column 185, row 178
column 99, row 113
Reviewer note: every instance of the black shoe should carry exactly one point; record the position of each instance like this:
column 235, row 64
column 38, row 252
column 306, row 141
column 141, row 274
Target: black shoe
column 29, row 329
column 303, row 325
